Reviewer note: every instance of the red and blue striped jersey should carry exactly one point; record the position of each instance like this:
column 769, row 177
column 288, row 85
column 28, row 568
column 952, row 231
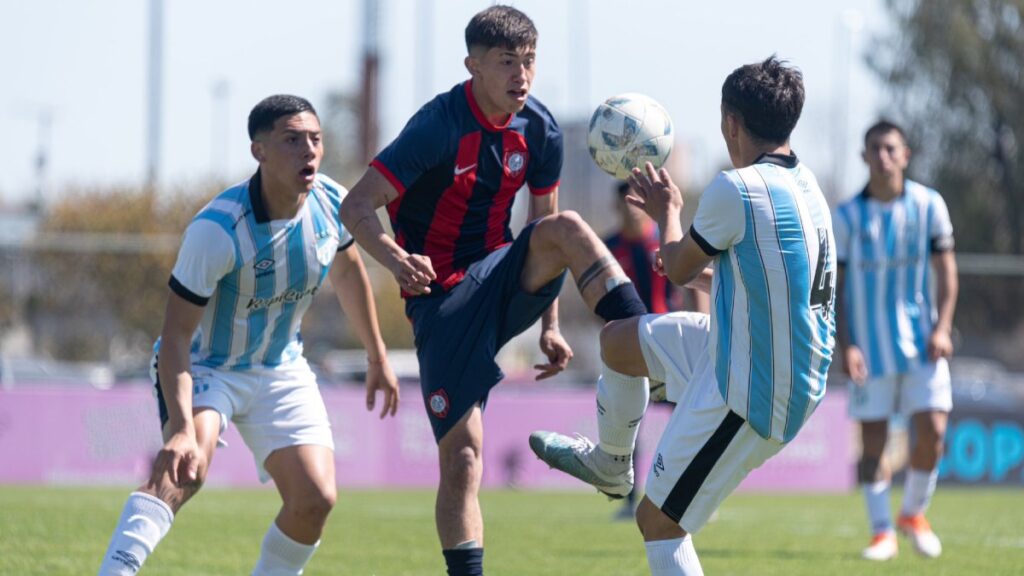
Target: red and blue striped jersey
column 457, row 176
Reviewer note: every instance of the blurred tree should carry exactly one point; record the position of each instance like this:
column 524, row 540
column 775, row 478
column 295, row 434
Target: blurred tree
column 103, row 273
column 956, row 71
column 956, row 68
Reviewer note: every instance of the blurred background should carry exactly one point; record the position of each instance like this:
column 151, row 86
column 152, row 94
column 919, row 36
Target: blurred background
column 121, row 118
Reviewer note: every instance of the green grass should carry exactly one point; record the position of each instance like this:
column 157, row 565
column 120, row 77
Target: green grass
column 55, row 531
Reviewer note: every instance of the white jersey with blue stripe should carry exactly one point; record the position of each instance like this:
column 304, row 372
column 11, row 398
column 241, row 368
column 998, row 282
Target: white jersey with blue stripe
column 886, row 248
column 772, row 327
column 256, row 277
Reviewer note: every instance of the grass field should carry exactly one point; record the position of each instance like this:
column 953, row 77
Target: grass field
column 55, row 531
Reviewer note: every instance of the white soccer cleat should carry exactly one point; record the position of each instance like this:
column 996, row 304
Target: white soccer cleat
column 919, row 532
column 575, row 457
column 883, row 547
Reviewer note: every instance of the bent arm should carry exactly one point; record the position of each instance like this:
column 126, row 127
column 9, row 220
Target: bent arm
column 359, row 215
column 685, row 261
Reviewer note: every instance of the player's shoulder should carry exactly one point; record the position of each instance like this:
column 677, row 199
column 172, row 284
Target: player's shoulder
column 228, row 207
column 536, row 110
column 327, row 186
column 922, row 193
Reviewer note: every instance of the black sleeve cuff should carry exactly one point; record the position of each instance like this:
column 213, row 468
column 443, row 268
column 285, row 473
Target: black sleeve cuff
column 704, row 244
column 346, row 245
column 942, row 244
column 186, row 294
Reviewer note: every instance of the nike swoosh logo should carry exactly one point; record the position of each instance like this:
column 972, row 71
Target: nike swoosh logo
column 461, row 171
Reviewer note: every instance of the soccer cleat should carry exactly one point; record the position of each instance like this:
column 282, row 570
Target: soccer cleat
column 883, row 547
column 575, row 457
column 919, row 532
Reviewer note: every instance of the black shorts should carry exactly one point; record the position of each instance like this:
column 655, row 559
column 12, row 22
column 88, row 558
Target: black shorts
column 459, row 333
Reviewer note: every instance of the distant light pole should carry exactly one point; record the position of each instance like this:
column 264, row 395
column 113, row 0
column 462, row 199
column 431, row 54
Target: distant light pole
column 154, row 92
column 368, row 105
column 424, row 51
column 850, row 23
column 220, row 135
column 42, row 160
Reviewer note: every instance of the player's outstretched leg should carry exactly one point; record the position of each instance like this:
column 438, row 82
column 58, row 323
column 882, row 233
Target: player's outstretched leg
column 622, row 398
column 149, row 511
column 563, row 241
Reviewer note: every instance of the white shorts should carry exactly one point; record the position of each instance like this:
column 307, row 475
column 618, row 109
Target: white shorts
column 706, row 449
column 925, row 388
column 272, row 408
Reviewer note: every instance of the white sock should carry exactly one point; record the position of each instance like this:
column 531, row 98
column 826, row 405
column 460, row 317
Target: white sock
column 621, row 403
column 673, row 557
column 918, row 490
column 876, row 496
column 282, row 556
column 144, row 521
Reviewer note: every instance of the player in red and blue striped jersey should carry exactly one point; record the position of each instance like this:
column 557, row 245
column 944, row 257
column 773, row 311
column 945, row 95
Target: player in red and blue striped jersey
column 449, row 181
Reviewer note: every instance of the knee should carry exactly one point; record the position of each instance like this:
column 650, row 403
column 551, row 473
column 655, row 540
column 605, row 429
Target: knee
column 655, row 524
column 561, row 227
column 461, row 465
column 314, row 504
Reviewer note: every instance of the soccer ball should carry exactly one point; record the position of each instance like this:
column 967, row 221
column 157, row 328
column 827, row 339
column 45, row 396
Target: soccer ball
column 628, row 130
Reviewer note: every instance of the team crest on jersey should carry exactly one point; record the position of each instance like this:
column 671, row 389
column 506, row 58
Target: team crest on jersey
column 439, row 404
column 326, row 248
column 515, row 161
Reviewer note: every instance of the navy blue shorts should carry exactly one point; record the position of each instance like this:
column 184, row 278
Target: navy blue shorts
column 458, row 334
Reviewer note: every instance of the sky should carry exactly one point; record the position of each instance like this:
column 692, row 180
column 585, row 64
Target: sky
column 83, row 65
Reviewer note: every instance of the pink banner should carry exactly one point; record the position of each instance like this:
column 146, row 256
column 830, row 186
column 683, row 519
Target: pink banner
column 88, row 437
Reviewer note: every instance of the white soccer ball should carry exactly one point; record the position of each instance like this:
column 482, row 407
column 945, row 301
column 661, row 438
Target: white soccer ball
column 628, row 130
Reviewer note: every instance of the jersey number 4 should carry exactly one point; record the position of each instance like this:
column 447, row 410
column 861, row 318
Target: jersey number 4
column 824, row 287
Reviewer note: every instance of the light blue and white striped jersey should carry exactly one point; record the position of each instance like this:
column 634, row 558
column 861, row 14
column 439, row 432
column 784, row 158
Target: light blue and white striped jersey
column 772, row 327
column 254, row 276
column 886, row 248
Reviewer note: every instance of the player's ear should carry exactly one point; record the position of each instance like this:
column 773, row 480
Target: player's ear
column 471, row 65
column 256, row 149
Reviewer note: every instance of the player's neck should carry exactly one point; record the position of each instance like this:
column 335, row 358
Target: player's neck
column 750, row 151
column 280, row 202
column 885, row 188
column 489, row 110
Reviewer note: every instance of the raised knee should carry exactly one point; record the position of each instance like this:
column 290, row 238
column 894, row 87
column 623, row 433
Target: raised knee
column 562, row 226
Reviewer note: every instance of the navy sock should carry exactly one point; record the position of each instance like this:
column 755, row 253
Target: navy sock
column 464, row 561
column 619, row 303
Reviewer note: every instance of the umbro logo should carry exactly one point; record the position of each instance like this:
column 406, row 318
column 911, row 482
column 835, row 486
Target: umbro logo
column 460, row 170
column 264, row 264
column 659, row 466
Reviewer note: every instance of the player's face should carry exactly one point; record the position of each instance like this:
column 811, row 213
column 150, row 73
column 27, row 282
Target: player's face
column 886, row 154
column 502, row 78
column 290, row 154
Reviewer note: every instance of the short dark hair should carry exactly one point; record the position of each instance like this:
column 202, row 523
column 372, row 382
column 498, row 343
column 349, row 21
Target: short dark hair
column 264, row 114
column 767, row 96
column 884, row 126
column 501, row 27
